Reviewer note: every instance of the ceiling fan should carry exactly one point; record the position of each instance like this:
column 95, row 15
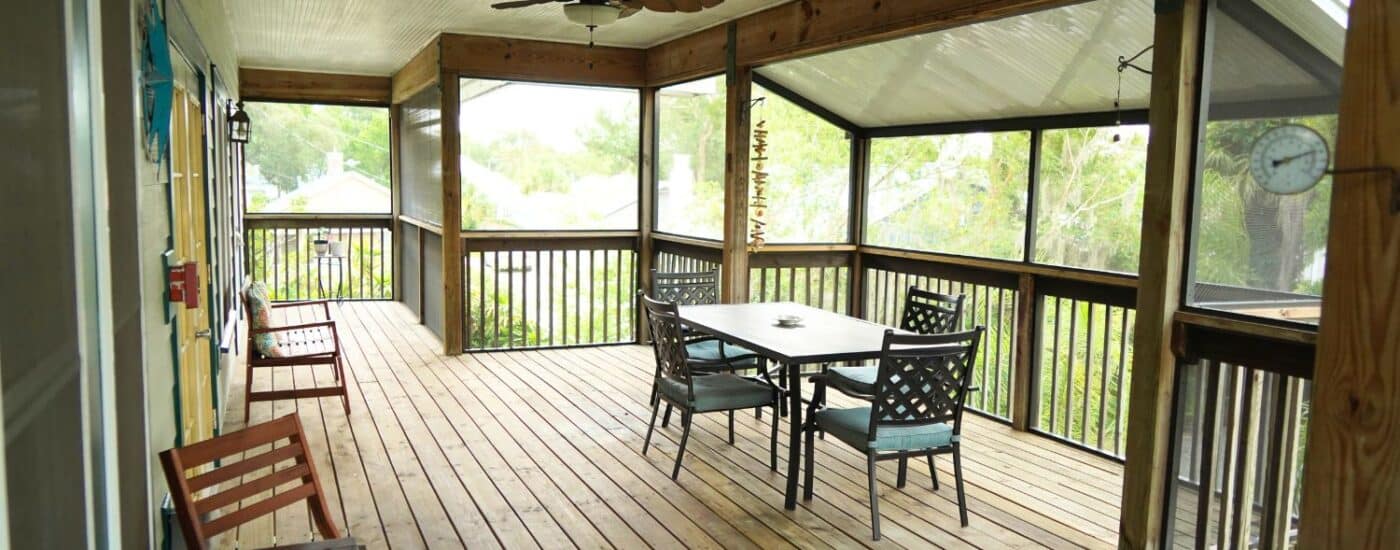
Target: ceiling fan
column 594, row 13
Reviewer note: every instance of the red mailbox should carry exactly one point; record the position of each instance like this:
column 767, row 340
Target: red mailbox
column 184, row 284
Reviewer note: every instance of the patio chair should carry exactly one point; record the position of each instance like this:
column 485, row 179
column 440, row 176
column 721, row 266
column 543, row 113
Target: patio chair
column 694, row 289
column 301, row 345
column 194, row 511
column 924, row 313
column 702, row 288
column 684, row 388
column 916, row 410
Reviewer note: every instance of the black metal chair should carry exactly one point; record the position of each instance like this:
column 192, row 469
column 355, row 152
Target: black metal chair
column 694, row 289
column 916, row 409
column 682, row 387
column 924, row 313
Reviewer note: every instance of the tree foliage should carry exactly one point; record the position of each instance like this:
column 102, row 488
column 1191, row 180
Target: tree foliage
column 291, row 140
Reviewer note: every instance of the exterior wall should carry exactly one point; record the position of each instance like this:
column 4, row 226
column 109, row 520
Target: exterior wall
column 49, row 346
column 141, row 233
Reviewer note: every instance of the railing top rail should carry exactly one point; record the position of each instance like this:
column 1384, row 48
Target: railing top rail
column 269, row 220
column 1006, row 266
column 688, row 241
column 1286, row 351
column 549, row 235
column 621, row 241
column 422, row 224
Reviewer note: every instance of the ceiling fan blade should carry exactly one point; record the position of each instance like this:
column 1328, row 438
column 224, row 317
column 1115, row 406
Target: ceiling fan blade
column 664, row 6
column 627, row 12
column 687, row 6
column 629, row 4
column 522, row 3
column 711, row 3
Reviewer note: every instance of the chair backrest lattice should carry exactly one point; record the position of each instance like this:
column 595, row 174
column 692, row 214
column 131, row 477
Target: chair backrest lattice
column 923, row 379
column 931, row 313
column 667, row 339
column 687, row 289
column 296, row 482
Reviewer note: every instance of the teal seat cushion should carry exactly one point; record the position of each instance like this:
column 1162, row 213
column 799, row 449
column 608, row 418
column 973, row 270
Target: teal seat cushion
column 853, row 427
column 855, row 379
column 709, row 350
column 720, row 392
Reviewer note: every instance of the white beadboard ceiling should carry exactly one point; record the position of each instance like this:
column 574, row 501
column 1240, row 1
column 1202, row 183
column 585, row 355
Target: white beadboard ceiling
column 1049, row 62
column 378, row 36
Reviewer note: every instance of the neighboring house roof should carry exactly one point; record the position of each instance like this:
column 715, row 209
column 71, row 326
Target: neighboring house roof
column 611, row 199
column 345, row 192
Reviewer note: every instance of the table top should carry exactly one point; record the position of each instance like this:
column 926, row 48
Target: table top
column 822, row 336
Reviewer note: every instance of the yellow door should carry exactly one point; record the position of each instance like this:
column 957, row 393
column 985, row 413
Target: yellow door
column 194, row 336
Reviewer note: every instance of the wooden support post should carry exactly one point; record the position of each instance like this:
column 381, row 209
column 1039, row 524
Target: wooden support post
column 454, row 300
column 860, row 184
column 734, row 271
column 646, row 201
column 1172, row 119
column 1027, row 341
column 395, row 201
column 1351, row 492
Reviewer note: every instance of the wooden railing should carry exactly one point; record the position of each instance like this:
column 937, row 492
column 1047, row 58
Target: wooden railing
column 1240, row 425
column 280, row 252
column 819, row 279
column 990, row 300
column 1084, row 362
column 525, row 291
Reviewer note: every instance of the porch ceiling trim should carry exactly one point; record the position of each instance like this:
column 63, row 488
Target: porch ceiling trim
column 295, row 86
column 541, row 61
column 798, row 29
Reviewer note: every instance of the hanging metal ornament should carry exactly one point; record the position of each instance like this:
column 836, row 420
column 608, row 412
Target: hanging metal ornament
column 1124, row 64
column 758, row 204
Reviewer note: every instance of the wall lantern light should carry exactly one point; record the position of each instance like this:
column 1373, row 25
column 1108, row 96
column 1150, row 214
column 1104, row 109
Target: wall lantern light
column 240, row 128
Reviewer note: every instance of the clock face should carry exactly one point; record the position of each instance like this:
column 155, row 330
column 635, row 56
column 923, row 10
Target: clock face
column 1288, row 159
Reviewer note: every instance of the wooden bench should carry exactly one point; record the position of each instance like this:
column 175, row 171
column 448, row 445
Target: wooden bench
column 196, row 514
column 300, row 345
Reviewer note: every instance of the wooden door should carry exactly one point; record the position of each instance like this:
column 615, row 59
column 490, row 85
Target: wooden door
column 189, row 211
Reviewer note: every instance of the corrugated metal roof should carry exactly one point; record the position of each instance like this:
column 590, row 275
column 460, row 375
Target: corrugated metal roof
column 1050, row 62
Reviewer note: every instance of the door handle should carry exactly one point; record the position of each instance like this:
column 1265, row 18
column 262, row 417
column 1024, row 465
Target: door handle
column 206, row 333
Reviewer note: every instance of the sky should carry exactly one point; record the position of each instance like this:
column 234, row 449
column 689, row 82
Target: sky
column 554, row 113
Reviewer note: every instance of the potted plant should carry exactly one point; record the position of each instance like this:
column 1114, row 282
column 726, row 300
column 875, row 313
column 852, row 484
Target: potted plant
column 321, row 244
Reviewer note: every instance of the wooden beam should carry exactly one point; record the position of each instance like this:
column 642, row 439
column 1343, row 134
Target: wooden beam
column 688, row 57
column 797, row 29
column 452, row 296
column 1351, row 493
column 520, row 59
column 1172, row 119
column 734, row 268
column 348, row 89
column 420, row 72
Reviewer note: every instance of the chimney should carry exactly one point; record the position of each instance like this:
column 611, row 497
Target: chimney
column 335, row 163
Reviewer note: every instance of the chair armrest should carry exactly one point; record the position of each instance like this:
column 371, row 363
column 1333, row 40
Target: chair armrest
column 302, row 303
column 304, row 326
column 325, row 305
column 974, row 388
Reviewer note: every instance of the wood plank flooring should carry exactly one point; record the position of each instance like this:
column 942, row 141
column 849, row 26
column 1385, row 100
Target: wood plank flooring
column 542, row 449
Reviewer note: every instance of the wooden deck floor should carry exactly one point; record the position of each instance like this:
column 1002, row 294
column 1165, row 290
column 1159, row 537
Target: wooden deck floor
column 543, row 449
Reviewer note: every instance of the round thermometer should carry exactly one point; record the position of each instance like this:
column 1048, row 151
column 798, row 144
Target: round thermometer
column 1288, row 159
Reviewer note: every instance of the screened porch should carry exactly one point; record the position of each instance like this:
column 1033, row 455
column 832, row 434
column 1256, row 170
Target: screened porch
column 518, row 195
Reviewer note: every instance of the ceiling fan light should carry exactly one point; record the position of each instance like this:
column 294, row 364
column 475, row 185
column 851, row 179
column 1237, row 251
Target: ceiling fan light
column 593, row 15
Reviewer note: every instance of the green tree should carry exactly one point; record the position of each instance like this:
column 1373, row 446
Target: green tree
column 1247, row 236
